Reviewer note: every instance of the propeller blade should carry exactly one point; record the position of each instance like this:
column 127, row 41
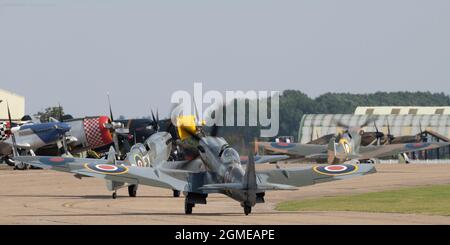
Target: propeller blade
column 341, row 124
column 157, row 115
column 155, row 121
column 389, row 135
column 110, row 109
column 376, row 128
column 13, row 137
column 368, row 121
column 214, row 130
column 153, row 115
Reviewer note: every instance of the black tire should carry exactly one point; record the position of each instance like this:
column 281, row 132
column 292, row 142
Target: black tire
column 114, row 195
column 188, row 207
column 9, row 161
column 247, row 209
column 21, row 166
column 132, row 190
column 176, row 193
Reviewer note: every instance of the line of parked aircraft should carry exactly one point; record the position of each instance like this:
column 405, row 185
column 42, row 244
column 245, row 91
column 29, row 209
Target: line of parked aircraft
column 159, row 157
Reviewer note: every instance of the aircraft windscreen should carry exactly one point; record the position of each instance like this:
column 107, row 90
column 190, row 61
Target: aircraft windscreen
column 230, row 155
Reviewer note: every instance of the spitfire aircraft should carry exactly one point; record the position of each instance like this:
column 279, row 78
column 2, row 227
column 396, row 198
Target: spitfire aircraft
column 378, row 137
column 346, row 146
column 218, row 169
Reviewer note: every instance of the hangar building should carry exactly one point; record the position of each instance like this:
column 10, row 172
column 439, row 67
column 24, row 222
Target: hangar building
column 16, row 104
column 432, row 122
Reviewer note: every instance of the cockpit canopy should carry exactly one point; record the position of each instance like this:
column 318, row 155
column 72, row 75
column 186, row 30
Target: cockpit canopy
column 230, row 155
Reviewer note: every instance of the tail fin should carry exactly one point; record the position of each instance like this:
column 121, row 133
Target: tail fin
column 249, row 182
column 112, row 156
column 250, row 173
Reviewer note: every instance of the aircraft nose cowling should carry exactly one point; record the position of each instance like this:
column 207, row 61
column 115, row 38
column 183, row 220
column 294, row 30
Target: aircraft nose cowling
column 97, row 135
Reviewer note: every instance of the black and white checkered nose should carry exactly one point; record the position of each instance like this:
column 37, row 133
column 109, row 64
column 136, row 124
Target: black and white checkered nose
column 3, row 131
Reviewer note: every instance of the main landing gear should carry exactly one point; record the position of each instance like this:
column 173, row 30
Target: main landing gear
column 188, row 207
column 192, row 199
column 132, row 190
column 176, row 193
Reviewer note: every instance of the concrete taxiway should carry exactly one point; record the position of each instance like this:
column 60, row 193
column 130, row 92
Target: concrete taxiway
column 49, row 197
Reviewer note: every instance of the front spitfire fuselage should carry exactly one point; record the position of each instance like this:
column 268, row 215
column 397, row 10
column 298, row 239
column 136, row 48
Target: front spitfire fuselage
column 155, row 150
column 224, row 165
column 347, row 145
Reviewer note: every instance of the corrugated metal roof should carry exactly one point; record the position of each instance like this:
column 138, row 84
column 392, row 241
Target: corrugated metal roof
column 402, row 110
column 318, row 125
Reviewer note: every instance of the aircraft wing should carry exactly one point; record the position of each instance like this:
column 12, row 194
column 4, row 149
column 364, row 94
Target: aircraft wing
column 103, row 169
column 260, row 159
column 303, row 176
column 294, row 149
column 368, row 152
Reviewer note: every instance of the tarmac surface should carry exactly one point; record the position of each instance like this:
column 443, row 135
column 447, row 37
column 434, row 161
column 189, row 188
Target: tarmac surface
column 49, row 197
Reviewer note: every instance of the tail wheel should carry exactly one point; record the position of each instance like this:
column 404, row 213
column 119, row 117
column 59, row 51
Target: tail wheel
column 176, row 193
column 114, row 195
column 132, row 190
column 247, row 209
column 188, row 207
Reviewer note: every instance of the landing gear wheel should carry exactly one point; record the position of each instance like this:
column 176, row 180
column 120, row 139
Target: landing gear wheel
column 132, row 190
column 9, row 161
column 247, row 209
column 188, row 207
column 114, row 195
column 21, row 166
column 176, row 193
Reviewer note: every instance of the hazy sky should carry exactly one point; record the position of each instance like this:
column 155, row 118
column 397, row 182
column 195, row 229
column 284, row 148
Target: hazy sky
column 141, row 51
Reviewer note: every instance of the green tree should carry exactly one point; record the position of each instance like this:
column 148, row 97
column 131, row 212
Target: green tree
column 55, row 112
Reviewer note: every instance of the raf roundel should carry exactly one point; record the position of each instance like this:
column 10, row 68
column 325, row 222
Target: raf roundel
column 106, row 168
column 56, row 159
column 336, row 169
